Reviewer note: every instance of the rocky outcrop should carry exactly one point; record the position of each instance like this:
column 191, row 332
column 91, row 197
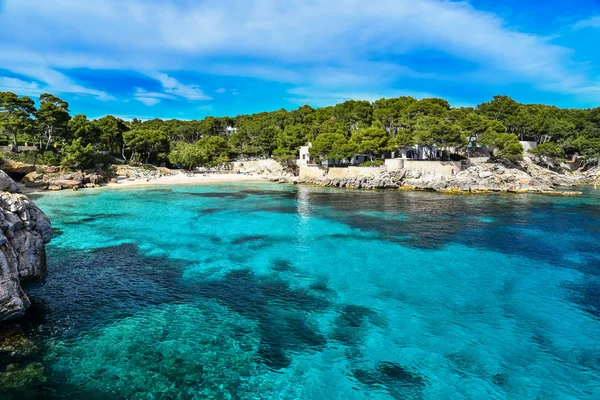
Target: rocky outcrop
column 63, row 180
column 25, row 231
column 481, row 178
column 16, row 168
column 146, row 172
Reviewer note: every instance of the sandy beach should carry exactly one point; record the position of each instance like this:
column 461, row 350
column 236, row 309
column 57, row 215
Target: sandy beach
column 181, row 178
column 177, row 178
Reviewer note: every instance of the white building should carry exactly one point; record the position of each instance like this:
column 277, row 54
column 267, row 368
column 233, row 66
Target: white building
column 417, row 153
column 358, row 159
column 304, row 155
column 304, row 158
column 231, row 130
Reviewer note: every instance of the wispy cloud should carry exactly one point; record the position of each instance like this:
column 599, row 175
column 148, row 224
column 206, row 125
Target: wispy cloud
column 19, row 86
column 305, row 95
column 173, row 87
column 150, row 98
column 52, row 81
column 593, row 22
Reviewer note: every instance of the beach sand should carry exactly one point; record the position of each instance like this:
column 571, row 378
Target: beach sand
column 181, row 178
column 177, row 178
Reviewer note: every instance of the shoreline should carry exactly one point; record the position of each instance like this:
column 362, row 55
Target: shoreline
column 181, row 179
column 125, row 183
column 453, row 191
column 172, row 180
column 395, row 181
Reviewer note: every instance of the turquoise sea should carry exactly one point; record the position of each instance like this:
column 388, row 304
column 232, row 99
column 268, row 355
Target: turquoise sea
column 264, row 291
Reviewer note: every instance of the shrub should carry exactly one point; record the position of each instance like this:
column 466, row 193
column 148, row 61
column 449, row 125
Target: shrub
column 27, row 157
column 374, row 163
column 48, row 158
column 78, row 156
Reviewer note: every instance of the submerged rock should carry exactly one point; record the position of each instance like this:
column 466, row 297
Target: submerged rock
column 25, row 231
column 22, row 378
column 203, row 350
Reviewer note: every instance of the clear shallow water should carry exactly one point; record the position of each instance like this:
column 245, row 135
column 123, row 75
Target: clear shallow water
column 267, row 291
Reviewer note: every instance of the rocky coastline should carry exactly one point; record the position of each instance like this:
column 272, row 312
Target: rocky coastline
column 54, row 178
column 25, row 232
column 524, row 177
column 482, row 177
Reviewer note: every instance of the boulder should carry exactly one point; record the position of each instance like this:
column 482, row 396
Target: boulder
column 17, row 168
column 66, row 183
column 7, row 184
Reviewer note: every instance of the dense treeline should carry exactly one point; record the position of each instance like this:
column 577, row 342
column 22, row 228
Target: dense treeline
column 376, row 129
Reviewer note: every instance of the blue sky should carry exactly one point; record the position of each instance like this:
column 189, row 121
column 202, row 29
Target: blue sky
column 188, row 59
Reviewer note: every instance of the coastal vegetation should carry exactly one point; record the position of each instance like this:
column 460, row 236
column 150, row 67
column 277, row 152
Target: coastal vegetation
column 376, row 129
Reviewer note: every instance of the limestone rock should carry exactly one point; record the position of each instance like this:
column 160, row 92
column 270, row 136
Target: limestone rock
column 484, row 177
column 7, row 184
column 25, row 230
column 64, row 180
column 17, row 168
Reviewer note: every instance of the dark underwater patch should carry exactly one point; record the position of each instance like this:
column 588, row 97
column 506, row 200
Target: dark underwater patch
column 78, row 221
column 500, row 379
column 216, row 195
column 280, row 210
column 280, row 265
column 250, row 239
column 212, row 210
column 158, row 190
column 586, row 295
column 56, row 232
column 271, row 193
column 351, row 324
column 283, row 314
column 398, row 381
column 320, row 286
column 99, row 286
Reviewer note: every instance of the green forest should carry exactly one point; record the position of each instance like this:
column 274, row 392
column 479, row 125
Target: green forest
column 374, row 128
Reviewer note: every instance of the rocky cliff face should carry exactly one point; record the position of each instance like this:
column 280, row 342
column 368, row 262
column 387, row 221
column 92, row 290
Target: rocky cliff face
column 25, row 231
column 529, row 178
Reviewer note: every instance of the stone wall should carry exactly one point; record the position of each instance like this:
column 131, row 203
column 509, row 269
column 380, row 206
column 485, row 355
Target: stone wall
column 8, row 149
column 309, row 172
column 395, row 164
column 434, row 167
column 256, row 165
column 355, row 172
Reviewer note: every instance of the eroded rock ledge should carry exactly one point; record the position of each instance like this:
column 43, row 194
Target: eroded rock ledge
column 481, row 178
column 25, row 231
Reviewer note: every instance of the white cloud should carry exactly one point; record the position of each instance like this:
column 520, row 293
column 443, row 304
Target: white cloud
column 320, row 43
column 315, row 97
column 17, row 85
column 149, row 101
column 173, row 87
column 150, row 98
column 53, row 81
column 221, row 90
column 593, row 22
